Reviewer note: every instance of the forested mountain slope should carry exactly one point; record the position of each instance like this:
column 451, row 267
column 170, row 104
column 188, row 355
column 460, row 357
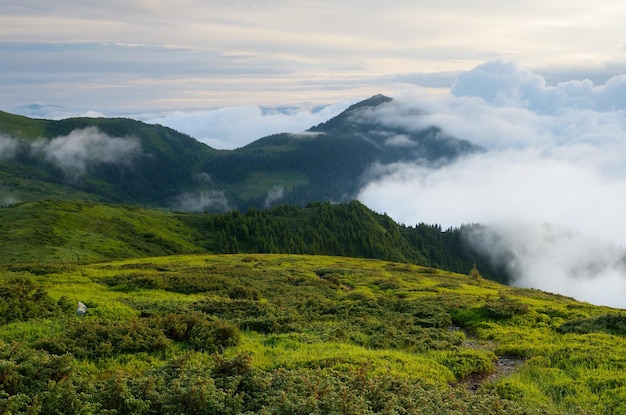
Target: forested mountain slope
column 114, row 160
column 125, row 161
column 63, row 231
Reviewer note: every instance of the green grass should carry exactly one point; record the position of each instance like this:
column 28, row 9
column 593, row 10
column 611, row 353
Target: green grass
column 21, row 127
column 306, row 317
column 60, row 231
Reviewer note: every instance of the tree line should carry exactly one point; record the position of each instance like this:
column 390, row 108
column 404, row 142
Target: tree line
column 344, row 229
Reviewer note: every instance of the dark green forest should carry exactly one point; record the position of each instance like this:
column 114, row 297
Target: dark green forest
column 344, row 229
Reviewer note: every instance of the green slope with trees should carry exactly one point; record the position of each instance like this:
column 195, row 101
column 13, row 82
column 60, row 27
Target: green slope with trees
column 119, row 160
column 80, row 155
column 64, row 231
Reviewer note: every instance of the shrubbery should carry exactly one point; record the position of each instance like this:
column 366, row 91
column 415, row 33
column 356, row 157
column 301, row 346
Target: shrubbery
column 612, row 323
column 92, row 338
column 504, row 308
column 22, row 299
column 299, row 335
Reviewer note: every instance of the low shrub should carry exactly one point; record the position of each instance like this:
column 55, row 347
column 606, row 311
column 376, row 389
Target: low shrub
column 199, row 331
column 504, row 308
column 240, row 292
column 22, row 299
column 91, row 338
column 611, row 323
column 469, row 362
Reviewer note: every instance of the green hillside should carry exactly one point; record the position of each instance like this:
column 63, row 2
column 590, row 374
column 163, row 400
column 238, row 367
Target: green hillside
column 114, row 160
column 84, row 232
column 118, row 160
column 288, row 334
column 60, row 231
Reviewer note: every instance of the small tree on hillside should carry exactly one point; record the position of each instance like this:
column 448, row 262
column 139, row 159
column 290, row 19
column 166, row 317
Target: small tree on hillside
column 474, row 273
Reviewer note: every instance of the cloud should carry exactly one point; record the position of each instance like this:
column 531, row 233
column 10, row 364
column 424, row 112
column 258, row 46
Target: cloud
column 8, row 147
column 209, row 200
column 557, row 259
column 508, row 84
column 232, row 127
column 8, row 200
column 555, row 155
column 148, row 56
column 274, row 195
column 84, row 147
column 400, row 140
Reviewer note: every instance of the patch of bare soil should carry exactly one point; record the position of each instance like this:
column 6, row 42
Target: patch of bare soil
column 505, row 365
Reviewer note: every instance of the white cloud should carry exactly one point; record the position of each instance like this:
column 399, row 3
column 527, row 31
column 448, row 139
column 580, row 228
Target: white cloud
column 274, row 195
column 8, row 147
column 556, row 155
column 82, row 147
column 558, row 259
column 400, row 140
column 195, row 54
column 8, row 200
column 211, row 200
column 507, row 84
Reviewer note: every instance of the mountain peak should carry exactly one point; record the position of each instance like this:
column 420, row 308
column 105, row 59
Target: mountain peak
column 372, row 101
column 345, row 117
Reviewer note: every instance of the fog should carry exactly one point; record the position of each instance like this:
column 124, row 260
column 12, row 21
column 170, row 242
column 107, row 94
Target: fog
column 82, row 147
column 200, row 201
column 274, row 195
column 551, row 186
column 8, row 147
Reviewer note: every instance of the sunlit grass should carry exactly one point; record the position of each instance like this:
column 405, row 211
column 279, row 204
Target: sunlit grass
column 293, row 351
column 346, row 314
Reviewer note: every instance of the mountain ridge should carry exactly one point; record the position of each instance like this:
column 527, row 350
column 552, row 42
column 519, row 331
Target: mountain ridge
column 168, row 168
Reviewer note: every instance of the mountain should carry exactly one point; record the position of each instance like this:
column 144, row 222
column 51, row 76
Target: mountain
column 172, row 325
column 113, row 160
column 331, row 160
column 125, row 161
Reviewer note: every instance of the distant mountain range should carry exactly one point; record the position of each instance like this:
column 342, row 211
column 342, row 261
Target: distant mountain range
column 120, row 160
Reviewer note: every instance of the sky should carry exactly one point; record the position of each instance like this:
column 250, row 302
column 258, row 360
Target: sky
column 136, row 56
column 539, row 84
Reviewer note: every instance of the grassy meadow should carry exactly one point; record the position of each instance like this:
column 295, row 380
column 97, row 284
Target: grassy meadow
column 298, row 334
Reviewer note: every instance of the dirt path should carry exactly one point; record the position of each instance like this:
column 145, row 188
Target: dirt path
column 504, row 366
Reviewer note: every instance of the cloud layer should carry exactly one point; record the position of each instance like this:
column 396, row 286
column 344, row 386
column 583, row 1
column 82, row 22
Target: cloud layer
column 556, row 156
column 212, row 200
column 79, row 150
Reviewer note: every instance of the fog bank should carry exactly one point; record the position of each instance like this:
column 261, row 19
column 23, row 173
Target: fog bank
column 551, row 186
